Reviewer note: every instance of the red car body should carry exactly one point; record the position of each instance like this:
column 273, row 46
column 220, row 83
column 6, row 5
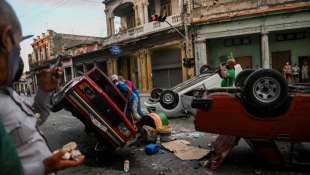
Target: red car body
column 101, row 105
column 226, row 115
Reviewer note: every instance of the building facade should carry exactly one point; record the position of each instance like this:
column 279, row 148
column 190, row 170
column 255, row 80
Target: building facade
column 49, row 45
column 149, row 53
column 262, row 33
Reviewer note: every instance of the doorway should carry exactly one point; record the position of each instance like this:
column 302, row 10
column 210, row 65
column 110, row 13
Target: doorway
column 301, row 61
column 244, row 61
column 279, row 59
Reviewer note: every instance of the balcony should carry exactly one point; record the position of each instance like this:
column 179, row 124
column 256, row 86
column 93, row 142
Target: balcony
column 143, row 30
column 211, row 10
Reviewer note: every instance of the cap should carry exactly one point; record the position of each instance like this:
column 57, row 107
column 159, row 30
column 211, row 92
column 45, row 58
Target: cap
column 26, row 37
column 114, row 77
column 231, row 61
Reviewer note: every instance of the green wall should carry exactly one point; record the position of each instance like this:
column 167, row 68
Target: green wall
column 297, row 47
column 217, row 50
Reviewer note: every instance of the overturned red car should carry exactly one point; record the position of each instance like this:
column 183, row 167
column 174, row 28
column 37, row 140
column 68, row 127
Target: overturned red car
column 262, row 109
column 102, row 108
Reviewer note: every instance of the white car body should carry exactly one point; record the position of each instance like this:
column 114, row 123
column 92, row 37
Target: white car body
column 203, row 81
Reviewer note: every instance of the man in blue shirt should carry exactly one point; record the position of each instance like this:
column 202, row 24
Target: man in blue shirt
column 130, row 93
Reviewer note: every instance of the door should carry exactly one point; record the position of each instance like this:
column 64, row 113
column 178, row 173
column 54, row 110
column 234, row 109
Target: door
column 302, row 60
column 166, row 67
column 123, row 67
column 244, row 61
column 279, row 59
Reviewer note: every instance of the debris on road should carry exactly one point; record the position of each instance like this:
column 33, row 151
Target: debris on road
column 152, row 149
column 183, row 150
column 126, row 166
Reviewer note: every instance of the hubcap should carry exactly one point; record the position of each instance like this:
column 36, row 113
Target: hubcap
column 168, row 98
column 266, row 89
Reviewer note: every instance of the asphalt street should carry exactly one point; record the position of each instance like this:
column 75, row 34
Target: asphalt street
column 62, row 128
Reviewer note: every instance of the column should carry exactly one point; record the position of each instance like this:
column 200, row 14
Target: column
column 65, row 75
column 157, row 7
column 112, row 25
column 35, row 83
column 107, row 14
column 72, row 71
column 146, row 12
column 110, row 67
column 265, row 50
column 109, row 26
column 135, row 8
column 149, row 70
column 84, row 68
column 200, row 54
column 140, row 80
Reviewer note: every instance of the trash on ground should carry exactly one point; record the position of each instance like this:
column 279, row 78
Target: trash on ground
column 183, row 150
column 152, row 149
column 126, row 166
column 149, row 134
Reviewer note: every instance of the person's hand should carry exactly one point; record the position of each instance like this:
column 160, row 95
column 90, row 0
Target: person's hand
column 48, row 79
column 55, row 162
column 222, row 72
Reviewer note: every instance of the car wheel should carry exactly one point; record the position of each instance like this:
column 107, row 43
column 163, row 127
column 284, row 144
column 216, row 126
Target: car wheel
column 155, row 94
column 169, row 99
column 242, row 76
column 264, row 92
column 57, row 102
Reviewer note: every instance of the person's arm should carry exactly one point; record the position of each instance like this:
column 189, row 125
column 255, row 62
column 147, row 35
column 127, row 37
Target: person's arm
column 47, row 82
column 41, row 105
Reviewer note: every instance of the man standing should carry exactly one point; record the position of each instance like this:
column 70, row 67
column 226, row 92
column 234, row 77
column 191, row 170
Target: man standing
column 305, row 72
column 127, row 90
column 296, row 70
column 17, row 116
column 287, row 72
column 228, row 73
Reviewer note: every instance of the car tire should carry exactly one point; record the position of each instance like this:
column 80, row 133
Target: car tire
column 57, row 102
column 155, row 94
column 169, row 99
column 265, row 91
column 242, row 76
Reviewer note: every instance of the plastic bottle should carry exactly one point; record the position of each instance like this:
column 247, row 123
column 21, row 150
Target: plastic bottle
column 126, row 166
column 158, row 140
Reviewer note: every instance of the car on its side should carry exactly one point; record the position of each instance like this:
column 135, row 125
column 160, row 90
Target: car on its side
column 176, row 101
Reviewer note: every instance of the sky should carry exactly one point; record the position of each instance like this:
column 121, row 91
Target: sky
column 81, row 17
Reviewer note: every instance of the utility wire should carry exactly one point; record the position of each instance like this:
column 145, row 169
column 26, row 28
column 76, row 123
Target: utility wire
column 91, row 1
column 40, row 11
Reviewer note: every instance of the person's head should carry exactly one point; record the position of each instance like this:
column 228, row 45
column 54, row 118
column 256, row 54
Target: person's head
column 114, row 78
column 231, row 63
column 121, row 78
column 10, row 36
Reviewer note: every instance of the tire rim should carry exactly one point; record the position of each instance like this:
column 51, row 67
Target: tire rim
column 266, row 89
column 168, row 98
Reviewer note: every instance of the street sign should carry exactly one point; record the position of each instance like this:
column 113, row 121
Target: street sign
column 115, row 50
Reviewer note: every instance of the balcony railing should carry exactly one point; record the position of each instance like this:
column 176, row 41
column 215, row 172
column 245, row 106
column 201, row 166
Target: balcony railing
column 148, row 28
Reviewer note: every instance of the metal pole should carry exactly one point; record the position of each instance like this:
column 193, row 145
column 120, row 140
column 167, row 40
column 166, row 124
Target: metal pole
column 177, row 30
